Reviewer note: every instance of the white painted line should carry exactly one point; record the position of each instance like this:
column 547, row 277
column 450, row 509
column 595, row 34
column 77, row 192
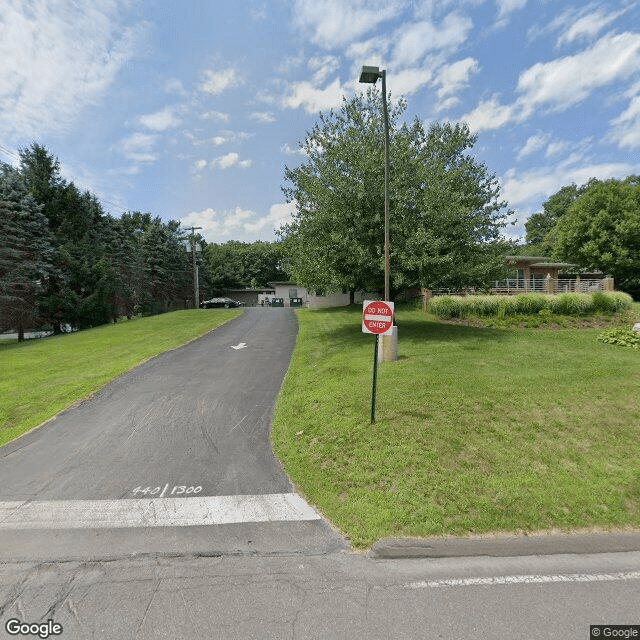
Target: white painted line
column 166, row 486
column 533, row 579
column 240, row 345
column 155, row 512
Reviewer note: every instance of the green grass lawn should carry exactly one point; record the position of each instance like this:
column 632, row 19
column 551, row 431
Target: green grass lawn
column 478, row 429
column 40, row 378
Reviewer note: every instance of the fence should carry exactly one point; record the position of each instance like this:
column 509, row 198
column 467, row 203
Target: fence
column 512, row 286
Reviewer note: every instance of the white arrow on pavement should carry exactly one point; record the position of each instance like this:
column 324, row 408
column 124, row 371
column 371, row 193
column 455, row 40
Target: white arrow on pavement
column 241, row 345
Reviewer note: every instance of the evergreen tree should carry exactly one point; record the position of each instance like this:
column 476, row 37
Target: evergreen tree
column 26, row 253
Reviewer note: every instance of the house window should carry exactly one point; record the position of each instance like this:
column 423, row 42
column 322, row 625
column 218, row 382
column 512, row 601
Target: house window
column 293, row 293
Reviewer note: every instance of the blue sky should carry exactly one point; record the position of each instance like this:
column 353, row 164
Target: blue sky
column 192, row 110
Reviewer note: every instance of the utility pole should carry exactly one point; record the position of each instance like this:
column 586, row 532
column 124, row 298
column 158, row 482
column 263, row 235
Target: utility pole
column 196, row 286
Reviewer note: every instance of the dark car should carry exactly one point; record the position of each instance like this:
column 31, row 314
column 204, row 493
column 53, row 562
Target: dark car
column 220, row 302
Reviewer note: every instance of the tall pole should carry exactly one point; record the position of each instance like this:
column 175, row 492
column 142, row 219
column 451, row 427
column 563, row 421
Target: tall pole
column 386, row 185
column 196, row 288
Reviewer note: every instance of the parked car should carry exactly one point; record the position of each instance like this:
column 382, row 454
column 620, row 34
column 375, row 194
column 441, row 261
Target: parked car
column 220, row 302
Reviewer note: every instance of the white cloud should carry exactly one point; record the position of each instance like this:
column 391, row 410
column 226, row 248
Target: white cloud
column 336, row 23
column 562, row 83
column 175, row 86
column 305, row 94
column 530, row 187
column 263, row 117
column 577, row 24
column 489, row 114
column 373, row 50
column 414, row 40
column 160, row 120
column 139, row 147
column 555, row 148
column 216, row 81
column 533, row 144
column 322, row 67
column 291, row 151
column 216, row 115
column 626, row 127
column 279, row 214
column 454, row 77
column 588, row 26
column 199, row 165
column 239, row 223
column 229, row 160
column 567, row 81
column 506, row 7
column 408, row 81
column 57, row 59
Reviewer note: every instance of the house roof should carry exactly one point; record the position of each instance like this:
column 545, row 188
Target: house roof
column 558, row 265
column 528, row 258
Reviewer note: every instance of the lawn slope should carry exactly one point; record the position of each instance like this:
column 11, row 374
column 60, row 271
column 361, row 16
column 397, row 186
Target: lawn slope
column 40, row 378
column 478, row 429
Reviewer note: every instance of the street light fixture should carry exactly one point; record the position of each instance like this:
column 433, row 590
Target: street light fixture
column 370, row 75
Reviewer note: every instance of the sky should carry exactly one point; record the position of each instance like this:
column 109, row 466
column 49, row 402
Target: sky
column 191, row 110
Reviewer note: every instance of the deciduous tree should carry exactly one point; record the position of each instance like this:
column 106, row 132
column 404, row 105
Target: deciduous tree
column 601, row 230
column 445, row 215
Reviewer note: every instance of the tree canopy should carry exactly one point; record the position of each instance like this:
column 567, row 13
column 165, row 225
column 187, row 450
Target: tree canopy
column 237, row 264
column 540, row 227
column 601, row 230
column 65, row 262
column 445, row 211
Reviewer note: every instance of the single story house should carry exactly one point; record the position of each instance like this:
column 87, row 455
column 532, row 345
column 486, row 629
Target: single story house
column 288, row 290
column 251, row 297
column 538, row 273
column 537, row 267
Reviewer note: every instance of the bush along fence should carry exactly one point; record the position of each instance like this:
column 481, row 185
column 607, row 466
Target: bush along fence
column 567, row 304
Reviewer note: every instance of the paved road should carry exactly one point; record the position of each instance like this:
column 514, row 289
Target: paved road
column 335, row 596
column 93, row 508
column 192, row 423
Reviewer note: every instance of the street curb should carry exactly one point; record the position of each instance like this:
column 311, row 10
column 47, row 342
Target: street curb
column 504, row 546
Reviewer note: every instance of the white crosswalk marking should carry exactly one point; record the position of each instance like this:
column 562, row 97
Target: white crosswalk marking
column 155, row 512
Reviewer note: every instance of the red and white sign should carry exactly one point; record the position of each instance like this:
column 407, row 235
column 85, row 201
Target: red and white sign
column 377, row 317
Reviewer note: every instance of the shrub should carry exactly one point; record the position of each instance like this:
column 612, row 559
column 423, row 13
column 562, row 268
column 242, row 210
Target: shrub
column 529, row 304
column 621, row 301
column 443, row 306
column 571, row 304
column 621, row 337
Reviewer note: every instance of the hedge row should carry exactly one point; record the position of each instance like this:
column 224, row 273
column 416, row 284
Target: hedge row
column 566, row 304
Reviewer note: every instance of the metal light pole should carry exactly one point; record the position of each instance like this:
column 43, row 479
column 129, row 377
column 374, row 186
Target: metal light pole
column 370, row 75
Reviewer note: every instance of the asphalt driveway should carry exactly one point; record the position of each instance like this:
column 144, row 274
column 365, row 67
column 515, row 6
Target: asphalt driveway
column 191, row 423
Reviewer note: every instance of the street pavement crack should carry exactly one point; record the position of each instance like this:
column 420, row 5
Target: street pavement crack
column 146, row 611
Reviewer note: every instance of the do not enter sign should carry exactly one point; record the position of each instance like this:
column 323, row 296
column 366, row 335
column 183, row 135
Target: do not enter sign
column 377, row 317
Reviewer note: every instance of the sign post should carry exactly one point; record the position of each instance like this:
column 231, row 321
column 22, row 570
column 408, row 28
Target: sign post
column 377, row 318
